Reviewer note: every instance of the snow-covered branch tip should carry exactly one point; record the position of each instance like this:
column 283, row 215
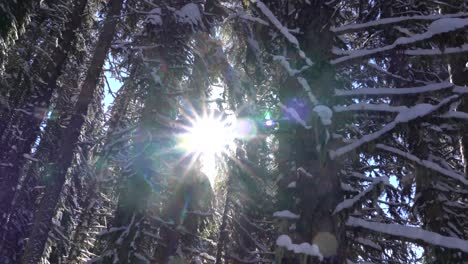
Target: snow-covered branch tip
column 437, row 27
column 391, row 20
column 294, row 115
column 395, row 91
column 455, row 115
column 435, row 52
column 417, row 111
column 294, row 72
column 352, row 202
column 409, row 233
column 285, row 214
column 303, row 248
column 428, row 164
column 282, row 29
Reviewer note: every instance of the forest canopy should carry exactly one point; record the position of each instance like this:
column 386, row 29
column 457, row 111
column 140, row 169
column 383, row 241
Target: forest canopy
column 233, row 131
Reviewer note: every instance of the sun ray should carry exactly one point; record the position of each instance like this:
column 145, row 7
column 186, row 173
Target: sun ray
column 208, row 136
column 204, row 138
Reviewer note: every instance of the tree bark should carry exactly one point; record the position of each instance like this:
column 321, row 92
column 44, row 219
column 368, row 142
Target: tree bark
column 223, row 228
column 458, row 70
column 307, row 149
column 93, row 201
column 42, row 223
column 14, row 146
column 459, row 76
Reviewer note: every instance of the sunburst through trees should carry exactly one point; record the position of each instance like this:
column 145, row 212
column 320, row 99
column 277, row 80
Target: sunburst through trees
column 247, row 131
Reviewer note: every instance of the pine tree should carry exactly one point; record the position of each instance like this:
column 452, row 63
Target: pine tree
column 400, row 59
column 41, row 223
column 23, row 130
column 14, row 18
column 355, row 149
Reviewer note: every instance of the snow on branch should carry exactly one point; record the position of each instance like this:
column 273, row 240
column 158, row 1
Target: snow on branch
column 141, row 257
column 417, row 111
column 360, row 176
column 107, row 253
column 370, row 107
column 381, row 70
column 126, row 232
column 189, row 14
column 284, row 62
column 247, row 17
column 368, row 243
column 257, row 243
column 410, row 233
column 392, row 20
column 294, row 115
column 350, row 203
column 243, row 260
column 111, row 230
column 293, row 40
column 460, row 89
column 433, row 52
column 444, row 187
column 303, row 248
column 305, row 85
column 267, row 12
column 29, row 157
column 282, row 29
column 154, row 17
column 285, row 214
column 293, row 72
column 428, row 164
column 440, row 26
column 455, row 114
column 395, row 91
column 305, row 173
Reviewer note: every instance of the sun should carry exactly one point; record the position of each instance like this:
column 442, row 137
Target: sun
column 206, row 135
column 209, row 136
column 205, row 138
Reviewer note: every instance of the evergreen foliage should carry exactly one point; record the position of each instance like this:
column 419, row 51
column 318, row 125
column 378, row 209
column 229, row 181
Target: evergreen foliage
column 342, row 128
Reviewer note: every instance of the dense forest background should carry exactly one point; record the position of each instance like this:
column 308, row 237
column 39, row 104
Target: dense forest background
column 343, row 125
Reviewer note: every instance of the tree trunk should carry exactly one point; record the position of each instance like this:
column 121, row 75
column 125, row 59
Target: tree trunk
column 459, row 76
column 23, row 202
column 458, row 70
column 223, row 228
column 305, row 151
column 435, row 204
column 93, row 204
column 17, row 142
column 42, row 223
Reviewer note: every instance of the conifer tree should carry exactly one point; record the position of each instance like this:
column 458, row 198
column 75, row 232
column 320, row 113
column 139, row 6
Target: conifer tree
column 345, row 127
column 42, row 219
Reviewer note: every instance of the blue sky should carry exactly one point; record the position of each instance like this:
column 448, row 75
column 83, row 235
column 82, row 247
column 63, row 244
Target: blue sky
column 114, row 86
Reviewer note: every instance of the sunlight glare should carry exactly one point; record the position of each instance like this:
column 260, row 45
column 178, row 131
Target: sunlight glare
column 207, row 135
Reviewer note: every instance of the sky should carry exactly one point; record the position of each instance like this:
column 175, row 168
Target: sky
column 114, row 86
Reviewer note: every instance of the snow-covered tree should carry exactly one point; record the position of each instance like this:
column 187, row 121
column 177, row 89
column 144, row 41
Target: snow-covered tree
column 343, row 127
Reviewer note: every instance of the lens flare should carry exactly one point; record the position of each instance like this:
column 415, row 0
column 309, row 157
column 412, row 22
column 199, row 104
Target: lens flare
column 244, row 129
column 268, row 119
column 207, row 135
column 269, row 122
